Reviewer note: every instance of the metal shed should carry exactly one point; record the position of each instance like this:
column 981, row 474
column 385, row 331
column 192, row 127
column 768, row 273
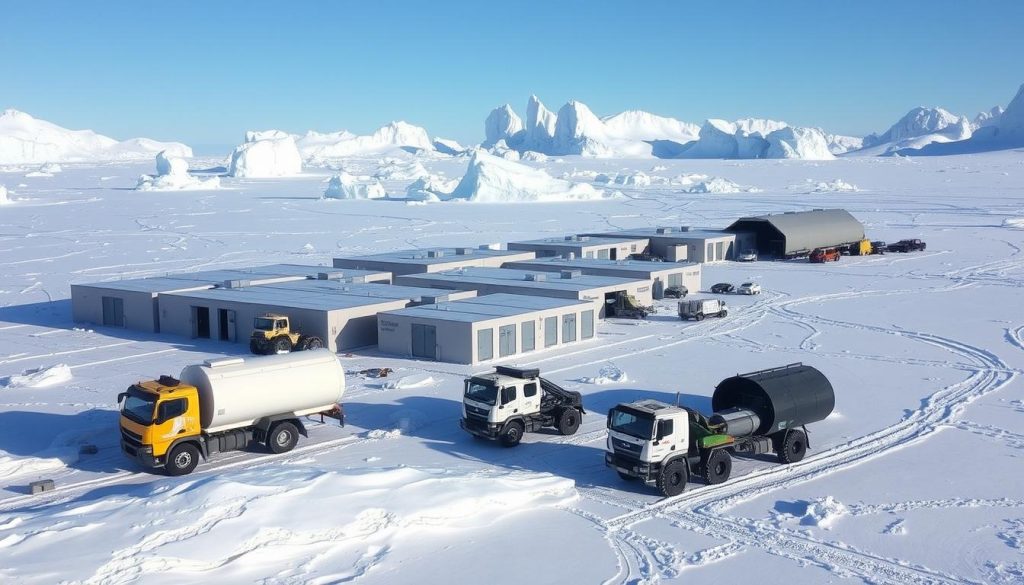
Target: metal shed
column 792, row 395
column 660, row 274
column 796, row 233
column 485, row 328
column 433, row 259
column 567, row 284
column 593, row 247
column 133, row 303
column 343, row 314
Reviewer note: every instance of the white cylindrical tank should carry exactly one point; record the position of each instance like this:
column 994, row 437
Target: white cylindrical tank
column 236, row 392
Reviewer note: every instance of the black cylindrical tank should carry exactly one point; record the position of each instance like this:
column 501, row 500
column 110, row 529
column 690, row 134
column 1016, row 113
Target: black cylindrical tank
column 738, row 422
column 782, row 398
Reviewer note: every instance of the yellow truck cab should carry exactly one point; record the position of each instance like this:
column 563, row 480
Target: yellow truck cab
column 155, row 415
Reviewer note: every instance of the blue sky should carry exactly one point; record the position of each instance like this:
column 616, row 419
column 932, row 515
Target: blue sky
column 204, row 72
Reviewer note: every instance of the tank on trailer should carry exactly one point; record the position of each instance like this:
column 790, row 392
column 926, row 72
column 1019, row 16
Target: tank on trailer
column 235, row 392
column 778, row 399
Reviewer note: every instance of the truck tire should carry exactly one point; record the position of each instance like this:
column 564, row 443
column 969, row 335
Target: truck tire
column 182, row 460
column 282, row 437
column 282, row 344
column 568, row 421
column 716, row 466
column 254, row 347
column 793, row 446
column 723, row 313
column 512, row 434
column 313, row 342
column 699, row 317
column 673, row 477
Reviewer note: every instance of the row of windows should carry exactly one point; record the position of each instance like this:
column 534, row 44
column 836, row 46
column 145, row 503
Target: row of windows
column 507, row 335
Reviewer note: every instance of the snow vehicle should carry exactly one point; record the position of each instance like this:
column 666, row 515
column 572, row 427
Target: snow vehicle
column 760, row 412
column 822, row 255
column 907, row 246
column 272, row 333
column 226, row 405
column 749, row 288
column 626, row 305
column 511, row 401
column 700, row 308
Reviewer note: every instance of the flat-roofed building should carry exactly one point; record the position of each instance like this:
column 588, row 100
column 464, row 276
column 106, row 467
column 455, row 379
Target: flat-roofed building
column 433, row 259
column 687, row 244
column 595, row 247
column 660, row 274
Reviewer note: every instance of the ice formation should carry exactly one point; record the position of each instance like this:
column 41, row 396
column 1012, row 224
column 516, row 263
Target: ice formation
column 836, row 186
column 268, row 154
column 172, row 175
column 501, row 124
column 393, row 136
column 393, row 169
column 432, row 188
column 918, row 128
column 346, row 186
column 1004, row 132
column 803, row 143
column 27, row 140
column 449, row 147
column 491, row 179
column 756, row 138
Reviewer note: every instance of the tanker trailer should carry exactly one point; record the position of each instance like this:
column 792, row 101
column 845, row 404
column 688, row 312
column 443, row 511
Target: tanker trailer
column 759, row 412
column 225, row 405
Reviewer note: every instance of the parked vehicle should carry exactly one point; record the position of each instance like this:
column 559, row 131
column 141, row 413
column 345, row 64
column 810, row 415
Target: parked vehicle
column 700, row 308
column 511, row 401
column 749, row 288
column 756, row 413
column 861, row 248
column 676, row 292
column 722, row 288
column 748, row 256
column 907, row 246
column 627, row 306
column 225, row 405
column 820, row 255
column 878, row 247
column 272, row 333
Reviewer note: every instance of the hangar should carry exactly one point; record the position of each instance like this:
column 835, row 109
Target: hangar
column 797, row 233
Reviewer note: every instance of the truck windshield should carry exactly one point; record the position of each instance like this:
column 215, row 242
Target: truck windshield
column 139, row 406
column 263, row 324
column 631, row 423
column 481, row 391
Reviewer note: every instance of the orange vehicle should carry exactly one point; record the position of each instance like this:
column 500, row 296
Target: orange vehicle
column 825, row 255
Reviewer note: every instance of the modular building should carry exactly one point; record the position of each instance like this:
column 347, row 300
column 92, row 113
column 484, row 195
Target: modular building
column 682, row 244
column 133, row 303
column 596, row 247
column 797, row 233
column 433, row 260
column 485, row 328
column 661, row 275
column 567, row 284
column 343, row 314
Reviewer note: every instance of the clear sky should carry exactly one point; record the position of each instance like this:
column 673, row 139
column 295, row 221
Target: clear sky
column 204, row 72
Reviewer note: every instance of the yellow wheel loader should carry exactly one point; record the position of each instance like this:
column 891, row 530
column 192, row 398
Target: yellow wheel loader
column 272, row 334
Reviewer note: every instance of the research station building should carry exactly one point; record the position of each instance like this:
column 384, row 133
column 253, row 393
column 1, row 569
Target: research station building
column 594, row 247
column 490, row 327
column 432, row 260
column 685, row 244
column 661, row 275
column 797, row 233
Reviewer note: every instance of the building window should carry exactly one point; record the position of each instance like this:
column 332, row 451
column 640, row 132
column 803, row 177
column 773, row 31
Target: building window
column 590, row 254
column 506, row 340
column 710, row 256
column 529, row 336
column 675, row 279
column 485, row 344
column 587, row 324
column 632, row 248
column 720, row 251
column 550, row 331
column 603, row 254
column 569, row 328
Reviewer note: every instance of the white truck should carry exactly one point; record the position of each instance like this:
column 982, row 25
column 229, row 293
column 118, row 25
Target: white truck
column 228, row 404
column 700, row 308
column 511, row 401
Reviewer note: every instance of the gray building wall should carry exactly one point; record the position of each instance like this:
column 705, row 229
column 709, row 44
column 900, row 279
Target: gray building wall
column 583, row 248
column 139, row 308
column 449, row 261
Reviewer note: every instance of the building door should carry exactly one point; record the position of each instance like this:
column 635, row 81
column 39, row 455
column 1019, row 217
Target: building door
column 587, row 324
column 226, row 325
column 710, row 255
column 201, row 322
column 424, row 341
column 568, row 327
column 506, row 340
column 113, row 312
column 484, row 344
column 550, row 331
column 529, row 336
column 613, row 254
column 719, row 250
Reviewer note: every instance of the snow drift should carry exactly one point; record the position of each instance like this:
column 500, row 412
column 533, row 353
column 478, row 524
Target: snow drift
column 491, row 179
column 27, row 140
column 4, row 198
column 42, row 377
column 396, row 135
column 172, row 175
column 346, row 186
column 268, row 154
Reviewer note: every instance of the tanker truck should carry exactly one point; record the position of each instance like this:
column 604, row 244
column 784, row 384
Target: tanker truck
column 755, row 413
column 227, row 404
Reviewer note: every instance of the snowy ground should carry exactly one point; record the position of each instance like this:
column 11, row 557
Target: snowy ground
column 914, row 479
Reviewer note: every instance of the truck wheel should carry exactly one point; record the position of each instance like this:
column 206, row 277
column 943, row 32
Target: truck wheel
column 512, row 434
column 314, row 343
column 794, row 447
column 716, row 466
column 282, row 344
column 282, row 438
column 569, row 421
column 254, row 347
column 183, row 460
column 673, row 477
column 700, row 316
column 723, row 313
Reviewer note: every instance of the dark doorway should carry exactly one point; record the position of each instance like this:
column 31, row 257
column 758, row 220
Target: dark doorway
column 201, row 322
column 113, row 312
column 424, row 341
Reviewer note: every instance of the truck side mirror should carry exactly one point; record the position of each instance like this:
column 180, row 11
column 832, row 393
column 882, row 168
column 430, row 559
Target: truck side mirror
column 121, row 397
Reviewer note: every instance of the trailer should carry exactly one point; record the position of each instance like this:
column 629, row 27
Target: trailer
column 700, row 308
column 228, row 404
column 756, row 413
column 505, row 404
